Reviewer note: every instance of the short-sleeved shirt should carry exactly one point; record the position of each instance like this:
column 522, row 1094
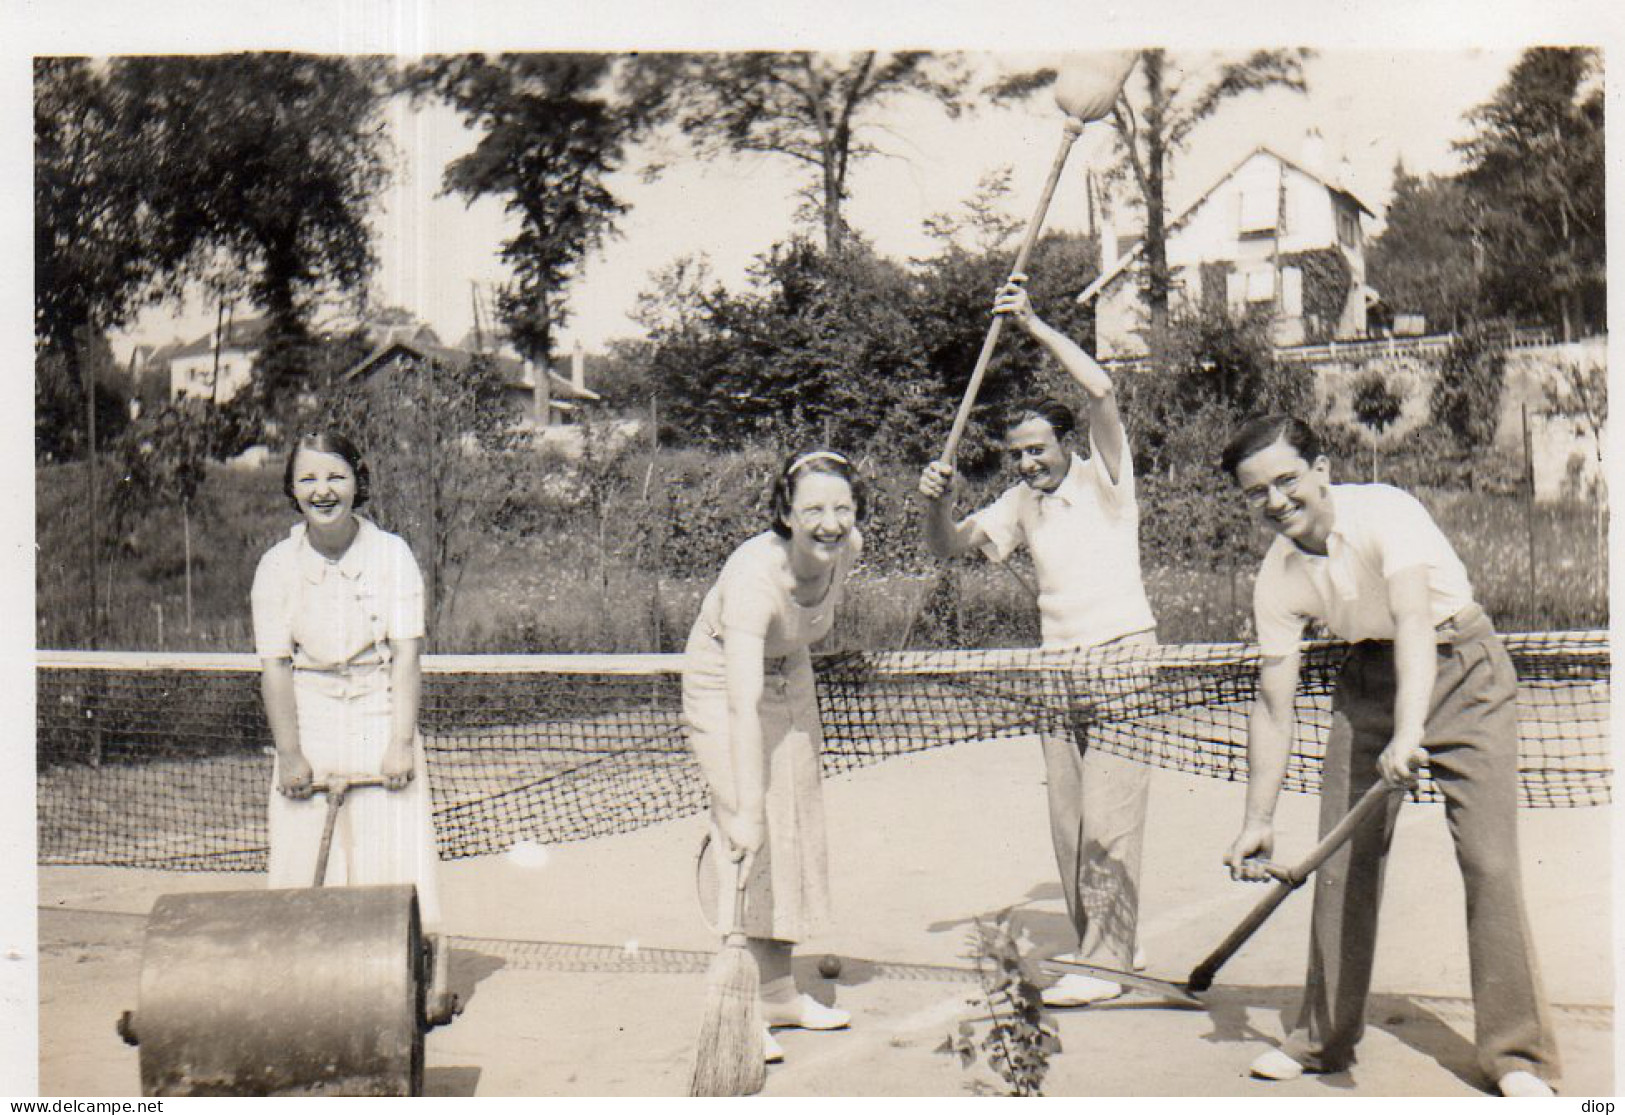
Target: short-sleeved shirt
column 1084, row 539
column 331, row 615
column 752, row 593
column 1377, row 532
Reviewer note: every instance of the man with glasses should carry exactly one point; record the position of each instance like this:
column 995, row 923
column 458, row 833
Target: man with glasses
column 1080, row 522
column 1426, row 681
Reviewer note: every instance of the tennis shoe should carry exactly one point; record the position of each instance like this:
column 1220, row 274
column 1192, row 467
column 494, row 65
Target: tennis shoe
column 805, row 1013
column 1079, row 990
column 772, row 1051
column 1272, row 1064
column 1524, row 1085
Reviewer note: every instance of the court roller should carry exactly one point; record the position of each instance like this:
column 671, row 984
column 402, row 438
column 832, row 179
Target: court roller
column 315, row 991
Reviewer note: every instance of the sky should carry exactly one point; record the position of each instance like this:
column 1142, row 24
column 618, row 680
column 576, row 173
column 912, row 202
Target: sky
column 1370, row 106
column 1420, row 63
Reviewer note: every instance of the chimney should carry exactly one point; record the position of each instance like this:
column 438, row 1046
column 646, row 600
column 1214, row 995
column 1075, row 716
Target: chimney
column 541, row 394
column 1314, row 153
column 578, row 368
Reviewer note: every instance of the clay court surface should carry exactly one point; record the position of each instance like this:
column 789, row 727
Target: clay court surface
column 585, row 976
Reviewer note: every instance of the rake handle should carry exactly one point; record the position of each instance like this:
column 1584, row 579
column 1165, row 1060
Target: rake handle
column 1073, row 129
column 1289, row 880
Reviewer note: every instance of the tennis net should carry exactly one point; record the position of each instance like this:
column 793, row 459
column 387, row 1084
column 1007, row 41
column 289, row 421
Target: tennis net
column 164, row 760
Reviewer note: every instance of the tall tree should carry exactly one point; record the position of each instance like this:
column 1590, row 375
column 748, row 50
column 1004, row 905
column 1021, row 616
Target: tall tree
column 270, row 164
column 1425, row 260
column 1162, row 103
column 552, row 132
column 1535, row 177
column 818, row 109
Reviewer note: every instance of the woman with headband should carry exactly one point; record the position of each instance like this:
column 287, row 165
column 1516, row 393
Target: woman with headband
column 752, row 719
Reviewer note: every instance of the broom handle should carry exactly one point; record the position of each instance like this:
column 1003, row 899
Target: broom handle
column 1073, row 129
column 1287, row 880
column 735, row 926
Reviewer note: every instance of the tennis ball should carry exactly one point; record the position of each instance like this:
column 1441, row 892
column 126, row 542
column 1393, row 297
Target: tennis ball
column 829, row 967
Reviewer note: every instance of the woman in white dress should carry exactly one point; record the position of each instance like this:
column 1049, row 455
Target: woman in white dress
column 752, row 718
column 338, row 627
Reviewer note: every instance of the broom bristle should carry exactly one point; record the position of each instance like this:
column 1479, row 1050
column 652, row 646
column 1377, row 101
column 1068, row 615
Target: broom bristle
column 729, row 1059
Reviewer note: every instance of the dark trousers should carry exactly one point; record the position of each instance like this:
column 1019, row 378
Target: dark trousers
column 1472, row 744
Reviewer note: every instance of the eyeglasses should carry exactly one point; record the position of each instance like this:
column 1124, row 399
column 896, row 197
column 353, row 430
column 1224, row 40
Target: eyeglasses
column 1286, row 484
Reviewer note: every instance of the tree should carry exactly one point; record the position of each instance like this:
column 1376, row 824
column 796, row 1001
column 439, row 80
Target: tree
column 1580, row 394
column 982, row 219
column 447, row 460
column 269, row 165
column 818, row 109
column 1466, row 395
column 1152, row 122
column 102, row 248
column 1376, row 406
column 851, row 348
column 1424, row 260
column 164, row 463
column 552, row 133
column 1534, row 175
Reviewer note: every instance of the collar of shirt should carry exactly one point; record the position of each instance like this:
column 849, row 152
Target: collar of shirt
column 1071, row 487
column 1338, row 559
column 315, row 567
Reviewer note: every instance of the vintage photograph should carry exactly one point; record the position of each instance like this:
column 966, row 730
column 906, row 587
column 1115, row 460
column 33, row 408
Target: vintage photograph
column 799, row 572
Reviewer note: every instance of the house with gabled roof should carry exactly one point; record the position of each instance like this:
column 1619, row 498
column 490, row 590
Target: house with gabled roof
column 196, row 372
column 539, row 398
column 1271, row 234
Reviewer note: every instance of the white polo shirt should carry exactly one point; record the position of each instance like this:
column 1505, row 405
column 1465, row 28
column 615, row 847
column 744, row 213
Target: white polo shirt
column 1377, row 531
column 1084, row 539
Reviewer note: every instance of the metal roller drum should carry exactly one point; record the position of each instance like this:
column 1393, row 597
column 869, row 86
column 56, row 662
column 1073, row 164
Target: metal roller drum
column 283, row 992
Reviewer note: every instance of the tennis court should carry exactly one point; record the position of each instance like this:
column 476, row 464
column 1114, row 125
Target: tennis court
column 585, row 976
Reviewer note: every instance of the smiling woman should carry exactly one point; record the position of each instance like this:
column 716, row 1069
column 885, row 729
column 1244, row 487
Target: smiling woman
column 338, row 626
column 751, row 715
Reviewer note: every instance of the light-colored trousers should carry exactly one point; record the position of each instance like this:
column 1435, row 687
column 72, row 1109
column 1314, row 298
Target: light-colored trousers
column 1097, row 805
column 1472, row 743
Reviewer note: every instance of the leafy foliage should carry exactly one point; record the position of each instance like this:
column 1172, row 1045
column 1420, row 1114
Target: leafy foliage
column 1327, row 279
column 253, row 172
column 849, row 350
column 1466, row 395
column 1375, row 404
column 814, row 108
column 1021, row 1036
column 552, row 132
column 1424, row 260
column 1520, row 232
column 1535, row 169
column 447, row 459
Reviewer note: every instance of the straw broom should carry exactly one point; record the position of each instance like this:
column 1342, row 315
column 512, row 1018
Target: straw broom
column 729, row 1060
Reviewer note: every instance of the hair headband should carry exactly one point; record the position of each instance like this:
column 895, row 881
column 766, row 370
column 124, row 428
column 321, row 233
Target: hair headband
column 817, row 455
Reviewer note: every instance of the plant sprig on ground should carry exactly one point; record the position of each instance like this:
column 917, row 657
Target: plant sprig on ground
column 1021, row 1036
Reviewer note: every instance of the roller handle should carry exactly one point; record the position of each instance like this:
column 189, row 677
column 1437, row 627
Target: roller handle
column 1287, row 880
column 336, row 787
column 1073, row 129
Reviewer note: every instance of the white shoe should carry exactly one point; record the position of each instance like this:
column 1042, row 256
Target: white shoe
column 1079, row 990
column 772, row 1051
column 1139, row 962
column 804, row 1012
column 1272, row 1064
column 1524, row 1085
